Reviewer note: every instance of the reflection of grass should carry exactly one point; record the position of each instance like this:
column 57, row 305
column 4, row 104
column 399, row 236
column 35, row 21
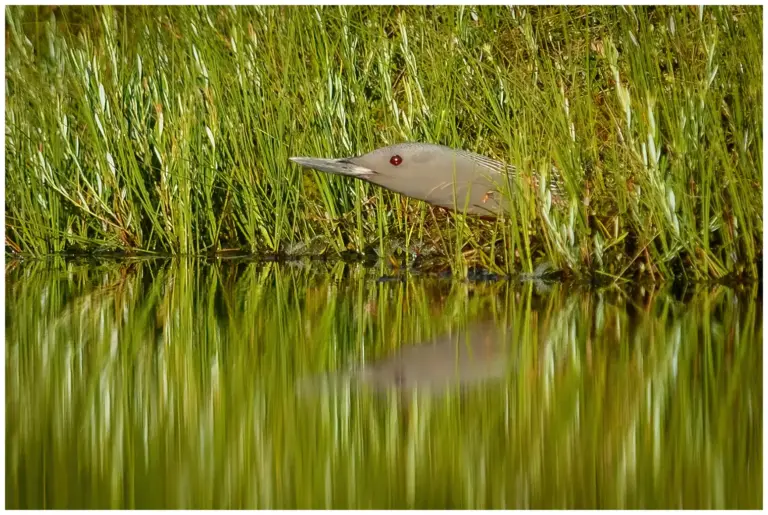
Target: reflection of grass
column 175, row 385
column 169, row 130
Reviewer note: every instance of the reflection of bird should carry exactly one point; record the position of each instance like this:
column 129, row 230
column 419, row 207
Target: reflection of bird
column 465, row 357
column 449, row 178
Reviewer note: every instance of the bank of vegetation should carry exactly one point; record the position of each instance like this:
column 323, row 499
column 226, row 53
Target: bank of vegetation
column 167, row 130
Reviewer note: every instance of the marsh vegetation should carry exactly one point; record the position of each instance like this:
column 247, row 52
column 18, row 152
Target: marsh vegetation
column 167, row 130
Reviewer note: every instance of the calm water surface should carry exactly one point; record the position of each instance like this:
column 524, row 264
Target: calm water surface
column 238, row 384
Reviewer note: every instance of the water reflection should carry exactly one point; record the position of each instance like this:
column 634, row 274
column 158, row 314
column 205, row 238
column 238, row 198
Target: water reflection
column 174, row 384
column 476, row 355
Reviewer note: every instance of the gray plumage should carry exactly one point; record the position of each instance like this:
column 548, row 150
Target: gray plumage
column 446, row 177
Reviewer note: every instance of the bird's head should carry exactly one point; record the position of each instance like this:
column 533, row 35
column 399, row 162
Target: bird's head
column 400, row 160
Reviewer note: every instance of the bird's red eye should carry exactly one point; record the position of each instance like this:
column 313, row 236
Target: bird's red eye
column 395, row 160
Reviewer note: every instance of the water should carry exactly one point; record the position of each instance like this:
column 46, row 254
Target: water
column 238, row 384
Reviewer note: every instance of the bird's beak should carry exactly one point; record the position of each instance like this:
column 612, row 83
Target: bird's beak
column 335, row 166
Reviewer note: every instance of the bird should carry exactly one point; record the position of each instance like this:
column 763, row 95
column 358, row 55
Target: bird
column 454, row 179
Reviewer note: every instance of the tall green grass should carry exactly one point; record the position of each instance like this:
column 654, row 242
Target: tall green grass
column 168, row 130
column 161, row 385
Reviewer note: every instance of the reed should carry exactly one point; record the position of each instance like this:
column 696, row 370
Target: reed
column 167, row 130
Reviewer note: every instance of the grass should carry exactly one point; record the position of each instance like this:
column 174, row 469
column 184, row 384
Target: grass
column 167, row 130
column 155, row 384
